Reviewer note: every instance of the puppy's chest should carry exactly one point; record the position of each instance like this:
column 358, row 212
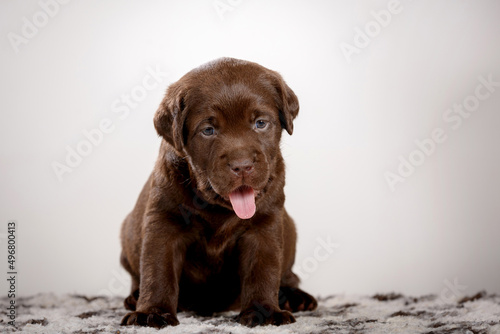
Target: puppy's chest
column 213, row 251
column 214, row 245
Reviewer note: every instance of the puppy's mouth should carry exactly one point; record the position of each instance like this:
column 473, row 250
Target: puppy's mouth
column 243, row 201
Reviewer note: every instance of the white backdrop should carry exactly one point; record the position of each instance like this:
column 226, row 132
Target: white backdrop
column 392, row 171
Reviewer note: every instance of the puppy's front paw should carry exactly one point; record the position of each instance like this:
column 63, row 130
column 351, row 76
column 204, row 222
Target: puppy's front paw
column 259, row 316
column 151, row 319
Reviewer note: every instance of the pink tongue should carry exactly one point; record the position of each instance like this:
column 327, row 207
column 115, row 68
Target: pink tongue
column 243, row 201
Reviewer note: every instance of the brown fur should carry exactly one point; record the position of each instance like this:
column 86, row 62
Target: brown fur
column 182, row 244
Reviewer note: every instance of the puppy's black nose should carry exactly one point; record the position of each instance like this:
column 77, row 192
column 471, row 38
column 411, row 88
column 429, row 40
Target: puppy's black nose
column 241, row 167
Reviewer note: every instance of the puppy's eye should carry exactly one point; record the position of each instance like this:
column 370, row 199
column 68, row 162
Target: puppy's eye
column 260, row 124
column 208, row 131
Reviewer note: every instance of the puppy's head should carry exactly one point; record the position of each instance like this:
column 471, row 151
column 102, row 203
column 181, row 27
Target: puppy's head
column 226, row 118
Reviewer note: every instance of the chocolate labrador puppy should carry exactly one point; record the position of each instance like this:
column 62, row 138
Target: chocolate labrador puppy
column 209, row 232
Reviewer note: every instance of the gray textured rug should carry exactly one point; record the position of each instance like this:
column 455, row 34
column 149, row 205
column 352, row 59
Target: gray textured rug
column 391, row 313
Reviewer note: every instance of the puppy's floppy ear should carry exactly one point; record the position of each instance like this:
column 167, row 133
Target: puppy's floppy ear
column 287, row 101
column 170, row 117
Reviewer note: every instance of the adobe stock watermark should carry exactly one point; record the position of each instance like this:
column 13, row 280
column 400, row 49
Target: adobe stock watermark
column 453, row 291
column 363, row 37
column 224, row 6
column 118, row 285
column 31, row 27
column 121, row 107
column 322, row 252
column 454, row 117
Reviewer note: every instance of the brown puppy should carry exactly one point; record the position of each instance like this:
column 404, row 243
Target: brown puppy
column 209, row 232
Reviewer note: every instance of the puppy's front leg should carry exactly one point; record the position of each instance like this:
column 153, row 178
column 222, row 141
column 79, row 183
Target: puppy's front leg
column 261, row 256
column 162, row 258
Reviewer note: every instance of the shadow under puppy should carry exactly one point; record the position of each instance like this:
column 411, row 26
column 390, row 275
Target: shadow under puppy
column 209, row 231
